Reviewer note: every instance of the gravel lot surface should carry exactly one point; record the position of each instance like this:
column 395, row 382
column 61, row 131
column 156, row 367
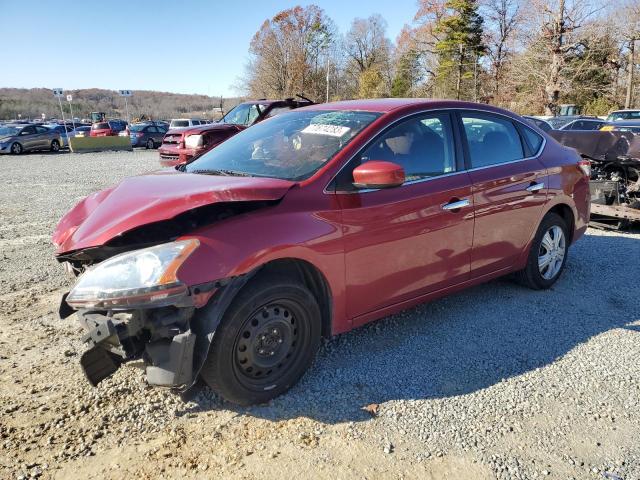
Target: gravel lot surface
column 495, row 382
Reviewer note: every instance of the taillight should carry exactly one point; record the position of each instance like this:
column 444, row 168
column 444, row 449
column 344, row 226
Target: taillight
column 139, row 134
column 585, row 166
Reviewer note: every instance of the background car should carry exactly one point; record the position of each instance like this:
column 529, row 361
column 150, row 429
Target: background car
column 618, row 115
column 147, row 135
column 632, row 126
column 185, row 122
column 181, row 145
column 20, row 138
column 80, row 131
column 65, row 133
column 584, row 124
column 109, row 128
column 538, row 122
column 102, row 129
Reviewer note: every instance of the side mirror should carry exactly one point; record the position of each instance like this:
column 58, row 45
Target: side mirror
column 378, row 174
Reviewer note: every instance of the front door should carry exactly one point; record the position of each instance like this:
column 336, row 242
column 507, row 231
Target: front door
column 406, row 241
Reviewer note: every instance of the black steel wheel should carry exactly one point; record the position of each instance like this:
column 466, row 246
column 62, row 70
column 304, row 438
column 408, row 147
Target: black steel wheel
column 266, row 341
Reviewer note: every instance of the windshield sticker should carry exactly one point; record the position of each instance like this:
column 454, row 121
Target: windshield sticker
column 324, row 129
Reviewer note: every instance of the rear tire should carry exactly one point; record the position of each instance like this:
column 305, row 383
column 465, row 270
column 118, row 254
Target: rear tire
column 150, row 144
column 55, row 146
column 266, row 340
column 548, row 254
column 16, row 148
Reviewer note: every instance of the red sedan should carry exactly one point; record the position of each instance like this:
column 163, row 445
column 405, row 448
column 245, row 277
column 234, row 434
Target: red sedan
column 313, row 223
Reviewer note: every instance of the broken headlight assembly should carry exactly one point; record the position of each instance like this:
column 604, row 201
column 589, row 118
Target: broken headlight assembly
column 141, row 278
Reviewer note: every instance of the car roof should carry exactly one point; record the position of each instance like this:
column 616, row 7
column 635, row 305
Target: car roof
column 625, row 110
column 385, row 105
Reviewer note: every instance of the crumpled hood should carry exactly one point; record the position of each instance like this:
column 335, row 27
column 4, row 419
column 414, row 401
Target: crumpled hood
column 152, row 198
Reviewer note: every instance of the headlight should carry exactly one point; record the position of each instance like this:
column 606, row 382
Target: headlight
column 140, row 278
column 193, row 141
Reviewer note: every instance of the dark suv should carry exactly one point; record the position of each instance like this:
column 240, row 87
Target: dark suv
column 181, row 145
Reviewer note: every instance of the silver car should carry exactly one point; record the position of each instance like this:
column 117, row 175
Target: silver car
column 19, row 138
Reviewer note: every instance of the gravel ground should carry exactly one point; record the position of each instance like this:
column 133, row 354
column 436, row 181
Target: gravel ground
column 496, row 382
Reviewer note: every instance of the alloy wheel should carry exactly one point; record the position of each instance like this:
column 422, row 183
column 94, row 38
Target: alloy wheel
column 552, row 251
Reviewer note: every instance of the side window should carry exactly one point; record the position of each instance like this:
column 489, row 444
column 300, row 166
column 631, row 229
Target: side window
column 423, row 146
column 152, row 129
column 534, row 139
column 491, row 139
column 40, row 129
column 28, row 131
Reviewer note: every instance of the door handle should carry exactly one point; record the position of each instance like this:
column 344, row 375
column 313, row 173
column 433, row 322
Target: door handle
column 458, row 204
column 535, row 187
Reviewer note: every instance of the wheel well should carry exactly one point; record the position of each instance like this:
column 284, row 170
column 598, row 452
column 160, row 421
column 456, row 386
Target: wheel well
column 309, row 276
column 567, row 215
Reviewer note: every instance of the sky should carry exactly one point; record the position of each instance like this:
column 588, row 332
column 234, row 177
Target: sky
column 177, row 46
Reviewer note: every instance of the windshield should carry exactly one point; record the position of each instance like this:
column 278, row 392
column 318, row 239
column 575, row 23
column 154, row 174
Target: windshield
column 291, row 146
column 8, row 131
column 243, row 114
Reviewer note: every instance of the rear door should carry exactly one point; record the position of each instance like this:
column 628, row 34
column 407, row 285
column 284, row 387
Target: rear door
column 509, row 188
column 44, row 136
column 404, row 242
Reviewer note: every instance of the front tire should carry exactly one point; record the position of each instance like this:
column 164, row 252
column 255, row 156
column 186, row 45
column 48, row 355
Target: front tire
column 266, row 340
column 16, row 148
column 548, row 254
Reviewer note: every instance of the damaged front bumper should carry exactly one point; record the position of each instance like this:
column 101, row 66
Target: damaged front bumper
column 161, row 337
column 173, row 341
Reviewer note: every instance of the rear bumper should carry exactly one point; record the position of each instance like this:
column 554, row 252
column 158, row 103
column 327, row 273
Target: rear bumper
column 171, row 155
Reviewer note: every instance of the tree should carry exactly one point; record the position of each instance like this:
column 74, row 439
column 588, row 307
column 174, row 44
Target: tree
column 289, row 53
column 554, row 27
column 368, row 53
column 502, row 18
column 453, row 31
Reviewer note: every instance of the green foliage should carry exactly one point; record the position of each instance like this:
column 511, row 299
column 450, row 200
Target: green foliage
column 406, row 75
column 459, row 47
column 371, row 84
column 599, row 106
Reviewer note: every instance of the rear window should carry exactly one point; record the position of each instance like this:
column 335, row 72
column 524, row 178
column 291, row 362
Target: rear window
column 534, row 139
column 492, row 140
column 100, row 126
column 136, row 128
column 180, row 123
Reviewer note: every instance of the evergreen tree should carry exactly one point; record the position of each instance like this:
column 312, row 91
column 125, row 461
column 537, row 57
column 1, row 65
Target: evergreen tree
column 406, row 75
column 459, row 49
